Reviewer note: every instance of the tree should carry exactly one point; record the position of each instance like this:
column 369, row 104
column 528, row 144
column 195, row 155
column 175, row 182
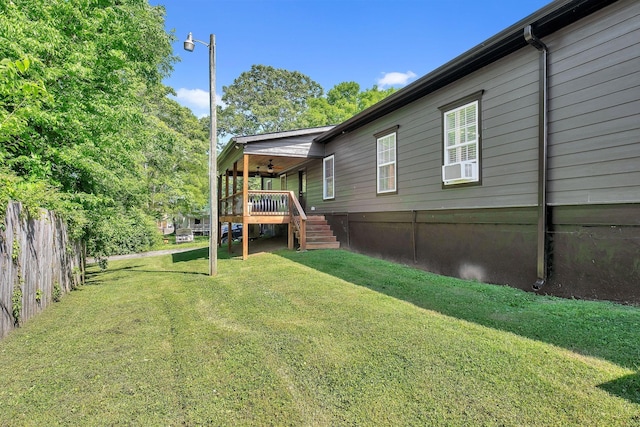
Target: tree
column 176, row 159
column 342, row 102
column 19, row 97
column 83, row 119
column 265, row 99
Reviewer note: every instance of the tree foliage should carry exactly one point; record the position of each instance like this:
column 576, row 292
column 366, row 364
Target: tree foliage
column 265, row 99
column 342, row 102
column 85, row 125
column 176, row 160
column 87, row 128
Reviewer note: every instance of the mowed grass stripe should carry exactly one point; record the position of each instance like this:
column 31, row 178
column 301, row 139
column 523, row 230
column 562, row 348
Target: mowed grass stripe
column 272, row 341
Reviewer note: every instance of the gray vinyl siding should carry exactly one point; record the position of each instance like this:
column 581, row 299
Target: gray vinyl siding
column 594, row 152
column 594, row 129
column 509, row 147
column 292, row 181
column 314, row 186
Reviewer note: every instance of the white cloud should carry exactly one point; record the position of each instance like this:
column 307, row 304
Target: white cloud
column 395, row 79
column 197, row 100
column 193, row 97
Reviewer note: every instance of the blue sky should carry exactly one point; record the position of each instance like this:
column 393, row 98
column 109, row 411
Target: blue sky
column 372, row 42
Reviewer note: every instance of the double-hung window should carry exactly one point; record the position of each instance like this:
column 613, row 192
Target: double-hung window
column 461, row 162
column 387, row 172
column 328, row 177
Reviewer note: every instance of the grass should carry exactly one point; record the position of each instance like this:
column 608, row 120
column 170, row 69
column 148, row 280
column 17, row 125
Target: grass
column 198, row 242
column 316, row 338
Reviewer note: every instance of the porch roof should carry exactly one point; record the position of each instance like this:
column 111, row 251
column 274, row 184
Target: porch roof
column 285, row 149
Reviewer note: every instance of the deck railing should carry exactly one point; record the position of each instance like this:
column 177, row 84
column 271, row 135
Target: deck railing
column 231, row 205
column 269, row 203
column 261, row 202
column 299, row 221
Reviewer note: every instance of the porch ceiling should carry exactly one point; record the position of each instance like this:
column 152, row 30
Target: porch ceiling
column 287, row 150
column 280, row 165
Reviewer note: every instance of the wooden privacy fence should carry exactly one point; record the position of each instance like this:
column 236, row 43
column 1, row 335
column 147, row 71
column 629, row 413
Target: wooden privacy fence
column 38, row 264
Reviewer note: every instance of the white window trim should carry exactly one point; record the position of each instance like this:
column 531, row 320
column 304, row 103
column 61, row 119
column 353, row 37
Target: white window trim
column 283, row 180
column 325, row 195
column 394, row 162
column 469, row 168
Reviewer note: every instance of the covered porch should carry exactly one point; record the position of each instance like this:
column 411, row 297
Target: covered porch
column 253, row 186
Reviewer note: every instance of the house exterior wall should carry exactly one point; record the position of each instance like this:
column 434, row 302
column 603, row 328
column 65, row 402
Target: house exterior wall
column 488, row 232
column 509, row 147
column 594, row 128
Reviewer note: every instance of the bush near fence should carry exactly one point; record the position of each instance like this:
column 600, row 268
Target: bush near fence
column 38, row 264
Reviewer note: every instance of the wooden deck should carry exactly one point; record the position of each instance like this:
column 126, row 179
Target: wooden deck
column 264, row 207
column 249, row 207
column 277, row 207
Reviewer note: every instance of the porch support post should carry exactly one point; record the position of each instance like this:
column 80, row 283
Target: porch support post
column 290, row 235
column 245, row 207
column 226, row 184
column 235, row 189
column 219, row 203
column 229, row 224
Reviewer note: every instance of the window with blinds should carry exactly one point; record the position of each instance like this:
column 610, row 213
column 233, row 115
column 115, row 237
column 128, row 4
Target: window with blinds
column 461, row 144
column 386, row 173
column 328, row 180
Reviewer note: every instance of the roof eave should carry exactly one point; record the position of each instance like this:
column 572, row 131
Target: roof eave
column 235, row 148
column 545, row 21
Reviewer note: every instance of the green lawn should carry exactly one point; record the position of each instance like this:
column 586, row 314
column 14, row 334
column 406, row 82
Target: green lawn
column 316, row 338
column 198, row 241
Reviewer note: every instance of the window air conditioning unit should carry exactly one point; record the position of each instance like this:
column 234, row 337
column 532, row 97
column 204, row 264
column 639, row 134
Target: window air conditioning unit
column 461, row 171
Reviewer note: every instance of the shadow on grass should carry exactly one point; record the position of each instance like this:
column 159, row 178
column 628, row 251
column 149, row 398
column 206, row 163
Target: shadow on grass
column 200, row 253
column 599, row 329
column 95, row 276
column 195, row 273
column 627, row 387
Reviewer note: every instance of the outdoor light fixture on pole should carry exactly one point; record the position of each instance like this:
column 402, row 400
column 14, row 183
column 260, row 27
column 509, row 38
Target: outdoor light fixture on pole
column 213, row 128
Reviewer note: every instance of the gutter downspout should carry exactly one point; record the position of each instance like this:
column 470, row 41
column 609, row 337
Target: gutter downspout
column 542, row 255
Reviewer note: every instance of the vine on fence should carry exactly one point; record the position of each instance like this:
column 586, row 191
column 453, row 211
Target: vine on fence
column 15, row 248
column 41, row 244
column 16, row 302
column 57, row 292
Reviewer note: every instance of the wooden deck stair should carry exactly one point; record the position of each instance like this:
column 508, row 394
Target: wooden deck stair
column 319, row 234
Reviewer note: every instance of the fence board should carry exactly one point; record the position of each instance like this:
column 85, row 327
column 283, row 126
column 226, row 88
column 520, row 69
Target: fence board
column 35, row 254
